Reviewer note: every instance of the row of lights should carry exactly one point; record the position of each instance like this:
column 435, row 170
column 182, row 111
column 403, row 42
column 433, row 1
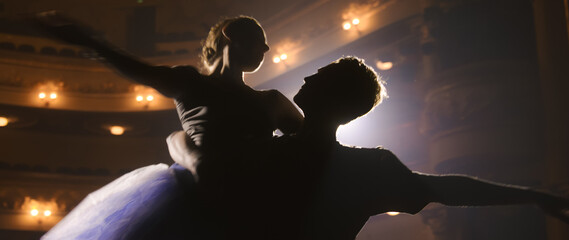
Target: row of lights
column 381, row 65
column 114, row 130
column 43, row 96
column 347, row 25
column 48, row 92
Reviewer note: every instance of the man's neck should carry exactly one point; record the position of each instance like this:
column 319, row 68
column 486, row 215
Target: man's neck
column 318, row 132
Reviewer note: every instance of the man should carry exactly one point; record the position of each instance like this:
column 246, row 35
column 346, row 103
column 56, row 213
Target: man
column 324, row 190
column 308, row 186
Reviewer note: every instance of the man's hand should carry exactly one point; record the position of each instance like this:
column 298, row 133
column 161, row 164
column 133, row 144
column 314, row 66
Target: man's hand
column 555, row 206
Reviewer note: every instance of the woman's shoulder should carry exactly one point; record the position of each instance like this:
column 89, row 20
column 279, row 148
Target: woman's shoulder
column 272, row 98
column 271, row 94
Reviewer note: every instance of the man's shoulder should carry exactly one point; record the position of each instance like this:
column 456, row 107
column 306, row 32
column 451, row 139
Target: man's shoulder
column 378, row 156
column 363, row 151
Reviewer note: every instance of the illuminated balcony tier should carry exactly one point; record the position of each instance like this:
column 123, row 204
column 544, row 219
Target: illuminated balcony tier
column 24, row 191
column 80, row 84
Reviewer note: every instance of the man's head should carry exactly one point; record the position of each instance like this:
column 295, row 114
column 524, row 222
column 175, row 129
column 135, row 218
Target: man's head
column 341, row 91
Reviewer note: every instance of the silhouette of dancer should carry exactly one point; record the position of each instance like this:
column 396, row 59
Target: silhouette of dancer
column 308, row 186
column 335, row 188
column 143, row 199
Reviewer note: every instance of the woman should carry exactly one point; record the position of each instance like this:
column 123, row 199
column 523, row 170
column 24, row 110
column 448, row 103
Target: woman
column 216, row 110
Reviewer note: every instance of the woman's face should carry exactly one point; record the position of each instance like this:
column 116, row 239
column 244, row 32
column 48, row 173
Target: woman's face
column 248, row 47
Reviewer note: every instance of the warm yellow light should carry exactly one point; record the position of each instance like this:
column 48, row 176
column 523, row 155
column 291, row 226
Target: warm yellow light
column 116, row 130
column 283, row 56
column 384, row 65
column 42, row 95
column 392, row 213
column 347, row 26
column 356, row 21
column 47, row 213
column 34, row 212
column 149, row 98
column 139, row 98
column 276, row 59
column 3, row 121
column 52, row 96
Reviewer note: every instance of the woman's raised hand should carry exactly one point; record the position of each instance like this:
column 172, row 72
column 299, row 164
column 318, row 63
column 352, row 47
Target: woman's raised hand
column 65, row 28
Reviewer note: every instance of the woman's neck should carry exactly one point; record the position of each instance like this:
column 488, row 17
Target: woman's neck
column 226, row 71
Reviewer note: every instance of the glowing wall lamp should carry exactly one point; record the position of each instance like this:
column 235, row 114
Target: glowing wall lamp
column 34, row 212
column 46, row 98
column 116, row 130
column 39, row 210
column 4, row 121
column 351, row 24
column 144, row 95
column 280, row 58
column 48, row 92
column 392, row 213
column 148, row 98
column 383, row 66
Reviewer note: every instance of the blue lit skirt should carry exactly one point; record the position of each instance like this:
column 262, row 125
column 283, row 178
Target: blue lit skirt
column 149, row 202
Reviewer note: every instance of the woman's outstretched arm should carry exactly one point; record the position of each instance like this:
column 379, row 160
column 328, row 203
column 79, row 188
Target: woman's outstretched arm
column 460, row 190
column 161, row 78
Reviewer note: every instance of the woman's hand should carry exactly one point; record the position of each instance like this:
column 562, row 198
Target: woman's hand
column 65, row 28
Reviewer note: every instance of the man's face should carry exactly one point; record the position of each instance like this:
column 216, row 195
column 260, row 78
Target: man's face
column 318, row 90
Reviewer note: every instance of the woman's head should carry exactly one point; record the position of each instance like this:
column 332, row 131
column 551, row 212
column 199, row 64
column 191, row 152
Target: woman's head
column 246, row 39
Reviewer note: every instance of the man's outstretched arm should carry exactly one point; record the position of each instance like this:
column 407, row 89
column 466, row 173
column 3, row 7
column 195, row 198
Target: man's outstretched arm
column 459, row 190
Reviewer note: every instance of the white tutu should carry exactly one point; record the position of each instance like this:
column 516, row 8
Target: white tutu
column 116, row 210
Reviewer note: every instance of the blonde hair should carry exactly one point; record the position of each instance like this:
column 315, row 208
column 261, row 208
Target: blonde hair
column 212, row 46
